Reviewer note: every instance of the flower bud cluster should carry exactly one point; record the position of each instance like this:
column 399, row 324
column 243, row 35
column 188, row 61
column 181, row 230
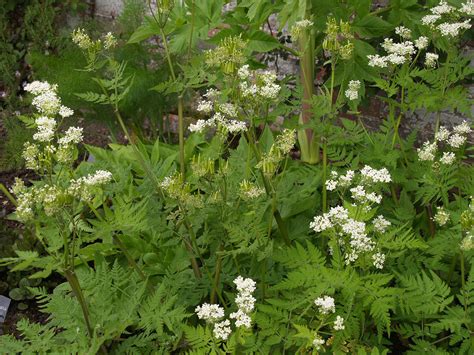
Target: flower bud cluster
column 299, row 28
column 339, row 39
column 177, row 189
column 84, row 42
column 228, row 55
column 250, row 191
column 284, row 142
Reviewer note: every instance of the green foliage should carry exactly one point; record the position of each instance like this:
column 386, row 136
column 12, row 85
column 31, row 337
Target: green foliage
column 367, row 250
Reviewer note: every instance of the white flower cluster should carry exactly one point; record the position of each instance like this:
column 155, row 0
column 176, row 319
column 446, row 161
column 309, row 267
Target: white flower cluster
column 378, row 260
column 339, row 323
column 403, row 32
column 400, row 53
column 326, row 304
column 46, row 99
column 224, row 116
column 454, row 139
column 213, row 313
column 441, row 217
column 353, row 235
column 447, row 20
column 245, row 302
column 381, row 224
column 367, row 178
column 318, row 342
column 431, row 59
column 352, row 92
column 258, row 86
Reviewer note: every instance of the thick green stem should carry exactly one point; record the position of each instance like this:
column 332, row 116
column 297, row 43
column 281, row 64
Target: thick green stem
column 8, row 194
column 308, row 145
column 77, row 291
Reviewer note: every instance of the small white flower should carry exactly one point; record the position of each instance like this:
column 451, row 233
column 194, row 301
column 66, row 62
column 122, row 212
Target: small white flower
column 430, row 19
column 463, row 128
column 448, row 158
column 453, row 29
column 205, row 107
column 442, row 8
column 379, row 260
column 38, row 87
column 65, row 111
column 403, row 32
column 244, row 72
column 377, row 61
column 339, row 323
column 228, row 109
column 72, row 135
column 241, row 319
column 318, row 342
column 245, row 285
column 222, row 330
column 352, row 93
column 210, row 312
column 381, row 224
column 421, row 42
column 467, row 8
column 441, row 217
column 431, row 59
column 320, row 223
column 442, row 135
column 427, row 152
column 331, row 185
column 326, row 304
column 456, row 140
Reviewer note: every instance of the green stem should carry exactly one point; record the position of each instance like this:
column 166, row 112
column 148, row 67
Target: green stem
column 217, row 274
column 77, row 291
column 129, row 257
column 325, row 169
column 282, row 227
column 463, row 281
column 8, row 194
column 181, row 136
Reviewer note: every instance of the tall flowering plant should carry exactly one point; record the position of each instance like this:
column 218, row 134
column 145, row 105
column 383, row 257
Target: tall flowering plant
column 62, row 195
